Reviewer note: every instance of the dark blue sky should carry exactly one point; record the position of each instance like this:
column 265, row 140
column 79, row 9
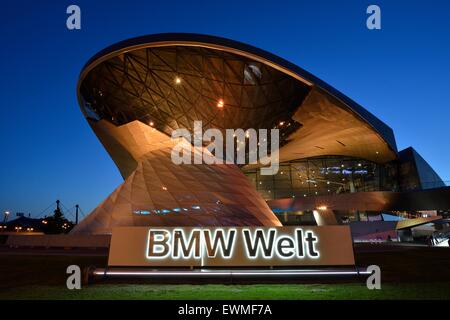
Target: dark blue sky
column 400, row 73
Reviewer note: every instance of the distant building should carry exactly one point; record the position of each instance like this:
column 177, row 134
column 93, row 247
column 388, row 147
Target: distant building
column 24, row 224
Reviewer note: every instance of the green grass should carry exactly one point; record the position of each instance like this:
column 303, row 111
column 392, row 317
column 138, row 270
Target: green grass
column 224, row 292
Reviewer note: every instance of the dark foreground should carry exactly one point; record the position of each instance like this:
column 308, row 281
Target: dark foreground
column 407, row 273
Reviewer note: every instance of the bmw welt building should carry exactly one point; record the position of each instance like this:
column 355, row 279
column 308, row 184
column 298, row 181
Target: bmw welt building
column 338, row 163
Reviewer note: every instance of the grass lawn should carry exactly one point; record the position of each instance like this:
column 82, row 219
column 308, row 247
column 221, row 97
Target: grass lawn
column 218, row 292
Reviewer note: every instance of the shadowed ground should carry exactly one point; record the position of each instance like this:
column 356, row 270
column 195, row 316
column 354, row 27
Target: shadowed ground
column 407, row 273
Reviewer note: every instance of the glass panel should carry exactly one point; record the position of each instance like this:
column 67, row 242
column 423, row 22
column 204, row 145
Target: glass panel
column 325, row 175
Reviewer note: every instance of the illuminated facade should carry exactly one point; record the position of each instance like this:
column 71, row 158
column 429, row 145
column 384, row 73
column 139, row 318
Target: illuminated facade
column 135, row 93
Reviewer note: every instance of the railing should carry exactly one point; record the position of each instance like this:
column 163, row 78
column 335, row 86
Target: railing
column 441, row 236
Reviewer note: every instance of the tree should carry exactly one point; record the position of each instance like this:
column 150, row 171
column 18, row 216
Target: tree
column 57, row 223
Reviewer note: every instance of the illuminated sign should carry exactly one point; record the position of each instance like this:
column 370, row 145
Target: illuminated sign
column 231, row 247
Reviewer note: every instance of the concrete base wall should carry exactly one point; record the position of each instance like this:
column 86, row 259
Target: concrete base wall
column 60, row 241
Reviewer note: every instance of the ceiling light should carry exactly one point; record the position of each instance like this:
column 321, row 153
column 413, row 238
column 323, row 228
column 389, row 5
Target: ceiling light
column 220, row 103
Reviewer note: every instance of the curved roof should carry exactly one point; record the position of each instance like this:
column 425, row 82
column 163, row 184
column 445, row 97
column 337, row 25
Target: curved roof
column 264, row 87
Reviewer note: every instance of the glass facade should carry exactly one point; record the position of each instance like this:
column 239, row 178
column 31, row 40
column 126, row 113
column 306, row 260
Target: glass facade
column 170, row 87
column 415, row 173
column 324, row 176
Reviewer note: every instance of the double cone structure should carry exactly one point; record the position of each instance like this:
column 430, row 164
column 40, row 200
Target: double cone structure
column 135, row 93
column 158, row 192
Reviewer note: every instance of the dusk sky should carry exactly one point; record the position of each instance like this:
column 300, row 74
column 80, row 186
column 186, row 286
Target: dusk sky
column 400, row 73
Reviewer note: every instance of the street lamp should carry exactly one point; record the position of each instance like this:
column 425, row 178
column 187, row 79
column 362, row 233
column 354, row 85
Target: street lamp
column 6, row 216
